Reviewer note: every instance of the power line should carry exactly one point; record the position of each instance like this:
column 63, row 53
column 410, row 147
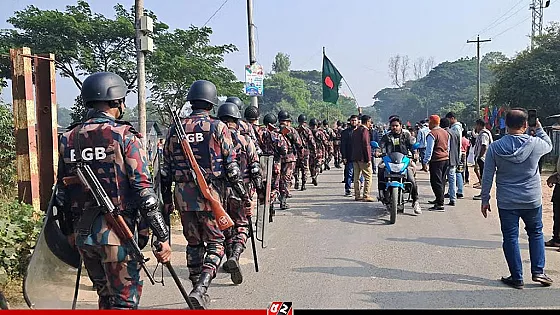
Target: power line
column 491, row 24
column 507, row 18
column 218, row 10
column 510, row 27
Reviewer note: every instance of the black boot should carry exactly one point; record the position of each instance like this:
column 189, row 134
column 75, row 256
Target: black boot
column 303, row 186
column 198, row 296
column 233, row 264
column 283, row 203
column 229, row 253
column 194, row 279
column 271, row 212
column 296, row 185
column 314, row 181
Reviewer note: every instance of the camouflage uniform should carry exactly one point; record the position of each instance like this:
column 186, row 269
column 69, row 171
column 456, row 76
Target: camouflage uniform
column 321, row 143
column 249, row 129
column 115, row 154
column 302, row 163
column 336, row 147
column 246, row 153
column 274, row 144
column 287, row 165
column 213, row 148
column 329, row 150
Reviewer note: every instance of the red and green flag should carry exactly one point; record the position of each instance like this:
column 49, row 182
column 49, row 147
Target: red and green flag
column 331, row 81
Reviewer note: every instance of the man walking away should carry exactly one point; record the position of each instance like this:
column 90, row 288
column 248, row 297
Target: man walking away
column 361, row 155
column 483, row 140
column 437, row 155
column 421, row 138
column 514, row 159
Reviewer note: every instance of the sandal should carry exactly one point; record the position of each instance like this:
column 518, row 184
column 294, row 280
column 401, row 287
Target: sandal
column 551, row 243
column 477, row 185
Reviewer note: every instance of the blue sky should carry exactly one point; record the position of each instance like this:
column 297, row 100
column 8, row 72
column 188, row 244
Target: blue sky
column 359, row 35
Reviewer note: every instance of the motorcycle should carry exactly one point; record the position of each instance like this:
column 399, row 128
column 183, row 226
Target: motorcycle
column 396, row 187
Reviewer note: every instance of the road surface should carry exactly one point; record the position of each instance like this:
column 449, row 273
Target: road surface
column 329, row 251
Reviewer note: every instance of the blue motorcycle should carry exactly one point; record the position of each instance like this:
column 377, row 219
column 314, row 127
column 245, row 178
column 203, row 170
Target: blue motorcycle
column 396, row 187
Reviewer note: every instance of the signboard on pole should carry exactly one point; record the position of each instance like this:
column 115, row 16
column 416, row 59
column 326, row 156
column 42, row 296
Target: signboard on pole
column 254, row 78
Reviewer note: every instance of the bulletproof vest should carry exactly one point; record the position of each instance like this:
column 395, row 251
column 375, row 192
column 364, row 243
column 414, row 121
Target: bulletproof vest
column 241, row 145
column 102, row 142
column 202, row 132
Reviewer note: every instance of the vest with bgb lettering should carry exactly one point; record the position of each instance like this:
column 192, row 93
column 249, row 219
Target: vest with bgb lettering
column 204, row 135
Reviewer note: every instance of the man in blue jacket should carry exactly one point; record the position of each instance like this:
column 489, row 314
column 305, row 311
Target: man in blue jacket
column 514, row 159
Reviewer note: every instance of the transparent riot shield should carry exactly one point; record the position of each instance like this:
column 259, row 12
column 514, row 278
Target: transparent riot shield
column 50, row 281
column 263, row 204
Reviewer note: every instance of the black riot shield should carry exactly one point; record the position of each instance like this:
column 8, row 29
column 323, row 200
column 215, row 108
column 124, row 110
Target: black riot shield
column 263, row 204
column 50, row 280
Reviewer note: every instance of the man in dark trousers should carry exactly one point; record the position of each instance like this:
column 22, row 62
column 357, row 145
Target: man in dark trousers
column 346, row 151
column 437, row 156
column 362, row 159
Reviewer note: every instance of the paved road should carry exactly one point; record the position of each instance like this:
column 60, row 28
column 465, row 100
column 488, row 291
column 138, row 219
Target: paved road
column 329, row 251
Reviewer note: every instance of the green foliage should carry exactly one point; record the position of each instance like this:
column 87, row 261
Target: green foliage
column 449, row 86
column 8, row 176
column 64, row 116
column 19, row 227
column 300, row 92
column 79, row 110
column 182, row 57
column 281, row 63
column 532, row 78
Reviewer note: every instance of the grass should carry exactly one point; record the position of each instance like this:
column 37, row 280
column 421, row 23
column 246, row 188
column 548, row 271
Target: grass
column 13, row 292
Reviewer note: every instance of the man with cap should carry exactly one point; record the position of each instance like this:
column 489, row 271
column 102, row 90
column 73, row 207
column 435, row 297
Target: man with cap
column 437, row 157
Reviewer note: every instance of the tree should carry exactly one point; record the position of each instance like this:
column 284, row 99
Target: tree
column 64, row 116
column 418, row 68
column 83, row 42
column 394, row 69
column 281, row 63
column 404, row 69
column 182, row 57
column 429, row 65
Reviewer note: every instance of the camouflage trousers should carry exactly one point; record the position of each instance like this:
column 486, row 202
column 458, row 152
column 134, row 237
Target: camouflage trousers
column 337, row 155
column 239, row 232
column 275, row 185
column 205, row 242
column 286, row 177
column 314, row 165
column 302, row 165
column 116, row 279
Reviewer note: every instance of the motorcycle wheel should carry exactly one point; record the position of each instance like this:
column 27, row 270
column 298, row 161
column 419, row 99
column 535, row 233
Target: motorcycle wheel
column 394, row 204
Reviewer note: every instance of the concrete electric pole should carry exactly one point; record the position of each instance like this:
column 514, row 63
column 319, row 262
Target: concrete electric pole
column 478, row 41
column 252, row 57
column 140, row 70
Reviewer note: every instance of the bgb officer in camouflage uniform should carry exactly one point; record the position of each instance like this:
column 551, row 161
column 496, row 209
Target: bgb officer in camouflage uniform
column 212, row 145
column 273, row 144
column 248, row 160
column 330, row 150
column 321, row 144
column 114, row 152
column 294, row 146
column 336, row 144
column 251, row 118
column 308, row 145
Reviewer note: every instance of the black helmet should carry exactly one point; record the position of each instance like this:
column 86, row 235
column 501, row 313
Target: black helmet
column 284, row 116
column 204, row 92
column 312, row 122
column 325, row 122
column 251, row 113
column 103, row 86
column 339, row 123
column 235, row 100
column 301, row 118
column 269, row 119
column 229, row 109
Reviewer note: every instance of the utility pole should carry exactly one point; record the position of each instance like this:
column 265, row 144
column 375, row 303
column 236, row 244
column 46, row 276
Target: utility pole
column 252, row 57
column 141, row 71
column 537, row 15
column 478, row 41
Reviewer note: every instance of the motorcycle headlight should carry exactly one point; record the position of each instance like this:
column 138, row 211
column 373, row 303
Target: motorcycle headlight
column 396, row 168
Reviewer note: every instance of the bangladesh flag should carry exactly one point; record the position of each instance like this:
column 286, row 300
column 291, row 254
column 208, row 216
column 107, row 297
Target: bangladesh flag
column 331, row 81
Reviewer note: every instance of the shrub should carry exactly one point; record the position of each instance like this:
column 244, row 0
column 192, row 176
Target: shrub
column 8, row 176
column 19, row 228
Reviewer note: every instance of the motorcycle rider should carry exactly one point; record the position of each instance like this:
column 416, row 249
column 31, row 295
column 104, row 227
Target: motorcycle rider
column 398, row 141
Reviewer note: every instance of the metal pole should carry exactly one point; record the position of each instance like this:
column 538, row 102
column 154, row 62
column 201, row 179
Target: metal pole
column 141, row 71
column 252, row 57
column 478, row 41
